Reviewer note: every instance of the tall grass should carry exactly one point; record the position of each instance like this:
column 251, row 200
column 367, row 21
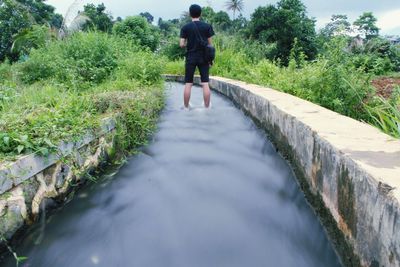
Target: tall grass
column 55, row 94
column 386, row 115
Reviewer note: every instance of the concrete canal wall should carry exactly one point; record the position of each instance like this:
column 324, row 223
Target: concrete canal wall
column 28, row 181
column 348, row 170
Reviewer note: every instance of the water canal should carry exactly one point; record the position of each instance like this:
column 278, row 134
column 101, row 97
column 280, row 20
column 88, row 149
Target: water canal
column 209, row 190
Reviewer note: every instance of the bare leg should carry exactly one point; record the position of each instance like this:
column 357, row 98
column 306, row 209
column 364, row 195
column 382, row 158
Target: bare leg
column 187, row 93
column 206, row 94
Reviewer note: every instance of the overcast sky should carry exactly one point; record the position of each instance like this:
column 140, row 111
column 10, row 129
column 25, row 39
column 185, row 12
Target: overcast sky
column 387, row 11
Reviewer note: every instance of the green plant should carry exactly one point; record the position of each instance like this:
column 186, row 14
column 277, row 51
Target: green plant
column 386, row 115
column 81, row 58
column 142, row 66
column 282, row 24
column 172, row 50
column 99, row 19
column 29, row 38
column 139, row 30
column 51, row 105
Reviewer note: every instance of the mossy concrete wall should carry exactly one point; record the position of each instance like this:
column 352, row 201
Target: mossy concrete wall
column 348, row 170
column 26, row 183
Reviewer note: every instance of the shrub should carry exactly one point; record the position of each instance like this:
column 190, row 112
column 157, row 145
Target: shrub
column 139, row 30
column 377, row 56
column 46, row 109
column 372, row 63
column 142, row 66
column 82, row 58
column 386, row 115
column 5, row 72
column 42, row 116
column 172, row 50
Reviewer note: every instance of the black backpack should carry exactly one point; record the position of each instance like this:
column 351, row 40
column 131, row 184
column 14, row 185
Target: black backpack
column 209, row 50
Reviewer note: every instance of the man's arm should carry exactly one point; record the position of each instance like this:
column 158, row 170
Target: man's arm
column 183, row 43
column 209, row 41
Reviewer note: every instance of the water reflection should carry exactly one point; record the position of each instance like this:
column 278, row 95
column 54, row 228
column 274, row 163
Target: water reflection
column 209, row 190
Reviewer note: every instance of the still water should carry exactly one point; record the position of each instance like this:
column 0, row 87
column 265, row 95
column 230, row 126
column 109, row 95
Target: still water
column 208, row 191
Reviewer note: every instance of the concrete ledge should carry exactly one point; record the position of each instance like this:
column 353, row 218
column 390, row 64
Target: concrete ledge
column 28, row 183
column 349, row 171
column 16, row 172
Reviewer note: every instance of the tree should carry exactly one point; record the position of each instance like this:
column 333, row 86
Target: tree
column 99, row 19
column 282, row 25
column 34, row 37
column 56, row 21
column 14, row 17
column 366, row 25
column 139, row 30
column 264, row 24
column 339, row 25
column 147, row 16
column 208, row 14
column 235, row 6
column 239, row 24
column 40, row 11
column 222, row 20
column 185, row 18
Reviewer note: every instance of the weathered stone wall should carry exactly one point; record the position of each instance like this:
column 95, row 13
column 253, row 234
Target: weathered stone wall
column 26, row 183
column 349, row 171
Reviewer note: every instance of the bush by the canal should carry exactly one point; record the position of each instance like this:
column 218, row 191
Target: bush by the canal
column 60, row 91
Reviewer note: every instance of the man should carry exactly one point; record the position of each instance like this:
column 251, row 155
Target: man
column 190, row 35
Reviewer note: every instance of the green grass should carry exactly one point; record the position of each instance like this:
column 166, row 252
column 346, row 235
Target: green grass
column 49, row 98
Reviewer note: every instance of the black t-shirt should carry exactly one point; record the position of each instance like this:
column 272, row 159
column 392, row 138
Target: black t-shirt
column 189, row 32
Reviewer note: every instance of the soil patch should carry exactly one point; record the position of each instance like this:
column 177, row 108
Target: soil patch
column 385, row 85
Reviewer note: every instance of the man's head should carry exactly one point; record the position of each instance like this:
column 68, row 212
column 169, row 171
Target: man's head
column 195, row 11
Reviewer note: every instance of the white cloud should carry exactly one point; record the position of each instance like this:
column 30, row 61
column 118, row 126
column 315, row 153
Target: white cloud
column 389, row 21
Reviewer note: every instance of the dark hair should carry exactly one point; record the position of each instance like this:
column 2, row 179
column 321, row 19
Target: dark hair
column 195, row 11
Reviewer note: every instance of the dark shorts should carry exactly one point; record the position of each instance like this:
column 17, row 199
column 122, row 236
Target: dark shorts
column 190, row 68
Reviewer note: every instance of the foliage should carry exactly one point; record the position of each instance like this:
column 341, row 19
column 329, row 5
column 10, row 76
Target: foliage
column 395, row 57
column 147, row 16
column 254, row 50
column 56, row 21
column 376, row 56
column 81, row 58
column 339, row 25
column 172, row 50
column 35, row 118
column 366, row 25
column 17, row 16
column 13, row 18
column 139, row 30
column 29, row 38
column 386, row 115
column 239, row 25
column 207, row 14
column 282, row 24
column 222, row 21
column 98, row 18
column 141, row 66
column 42, row 13
column 85, row 59
column 169, row 27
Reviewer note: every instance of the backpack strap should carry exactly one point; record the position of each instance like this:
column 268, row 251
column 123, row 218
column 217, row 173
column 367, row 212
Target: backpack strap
column 198, row 35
